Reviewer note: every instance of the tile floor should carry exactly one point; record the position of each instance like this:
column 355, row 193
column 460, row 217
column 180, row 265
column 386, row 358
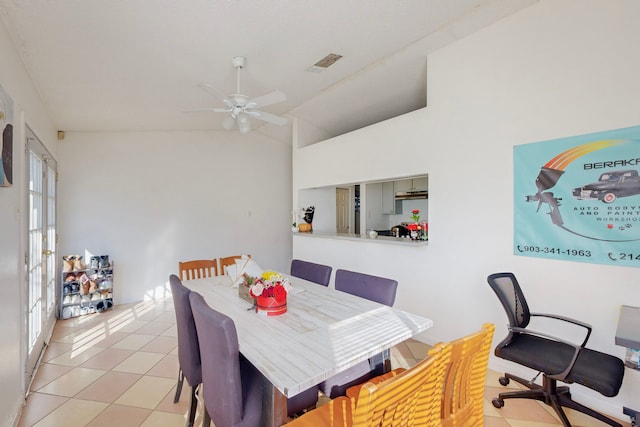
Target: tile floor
column 120, row 368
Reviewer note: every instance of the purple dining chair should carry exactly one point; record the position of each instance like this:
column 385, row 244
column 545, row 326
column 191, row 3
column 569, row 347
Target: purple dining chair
column 374, row 288
column 316, row 273
column 320, row 274
column 188, row 348
column 232, row 387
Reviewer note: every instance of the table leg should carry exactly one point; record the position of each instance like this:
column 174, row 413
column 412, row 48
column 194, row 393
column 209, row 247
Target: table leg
column 274, row 406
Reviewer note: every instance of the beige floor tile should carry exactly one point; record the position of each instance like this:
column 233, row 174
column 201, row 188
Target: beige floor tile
column 161, row 344
column 139, row 362
column 167, row 367
column 73, row 413
column 521, row 409
column 68, row 335
column 38, row 406
column 72, row 382
column 531, row 423
column 151, row 315
column 164, row 419
column 108, row 359
column 182, row 406
column 77, row 356
column 133, row 342
column 495, row 422
column 120, row 416
column 48, row 372
column 147, row 392
column 55, row 349
column 169, row 317
column 154, row 328
column 130, row 325
column 110, row 338
column 109, row 387
column 418, row 349
column 171, row 332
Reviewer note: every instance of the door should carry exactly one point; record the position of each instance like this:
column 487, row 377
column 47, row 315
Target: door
column 40, row 258
column 342, row 210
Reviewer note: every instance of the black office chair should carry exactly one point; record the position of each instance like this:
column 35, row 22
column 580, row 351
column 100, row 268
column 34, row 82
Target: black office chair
column 556, row 359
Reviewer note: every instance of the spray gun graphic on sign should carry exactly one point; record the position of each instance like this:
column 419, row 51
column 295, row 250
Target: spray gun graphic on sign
column 551, row 172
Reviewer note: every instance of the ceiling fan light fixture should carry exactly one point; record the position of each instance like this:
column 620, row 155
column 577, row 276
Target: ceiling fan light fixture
column 228, row 122
column 243, row 123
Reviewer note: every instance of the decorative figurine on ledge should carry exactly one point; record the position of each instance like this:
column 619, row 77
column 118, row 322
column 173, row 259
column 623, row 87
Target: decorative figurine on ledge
column 307, row 216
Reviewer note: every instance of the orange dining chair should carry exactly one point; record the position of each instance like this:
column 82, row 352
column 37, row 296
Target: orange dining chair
column 462, row 399
column 198, row 269
column 410, row 398
column 230, row 260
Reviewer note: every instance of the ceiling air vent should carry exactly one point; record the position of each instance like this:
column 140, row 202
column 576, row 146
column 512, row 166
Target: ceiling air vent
column 324, row 63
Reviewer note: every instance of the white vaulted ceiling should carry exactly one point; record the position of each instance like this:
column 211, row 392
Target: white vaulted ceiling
column 135, row 64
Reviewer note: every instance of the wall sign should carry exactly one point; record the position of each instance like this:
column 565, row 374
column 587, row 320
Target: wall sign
column 6, row 141
column 578, row 198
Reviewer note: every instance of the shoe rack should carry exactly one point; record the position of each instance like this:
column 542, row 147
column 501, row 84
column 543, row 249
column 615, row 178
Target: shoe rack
column 85, row 288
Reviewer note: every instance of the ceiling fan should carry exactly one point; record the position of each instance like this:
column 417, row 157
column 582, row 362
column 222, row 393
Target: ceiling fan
column 240, row 107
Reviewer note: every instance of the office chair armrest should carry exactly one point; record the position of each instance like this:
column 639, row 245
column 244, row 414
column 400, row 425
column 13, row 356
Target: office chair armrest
column 562, row 375
column 569, row 320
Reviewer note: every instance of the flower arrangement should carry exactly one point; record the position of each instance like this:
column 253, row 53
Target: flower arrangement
column 270, row 284
column 415, row 215
column 269, row 291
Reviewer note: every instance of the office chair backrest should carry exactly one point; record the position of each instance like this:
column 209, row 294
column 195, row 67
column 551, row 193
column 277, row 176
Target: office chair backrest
column 510, row 295
column 188, row 346
column 374, row 288
column 316, row 273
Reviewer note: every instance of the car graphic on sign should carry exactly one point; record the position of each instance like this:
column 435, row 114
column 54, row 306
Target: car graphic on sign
column 610, row 186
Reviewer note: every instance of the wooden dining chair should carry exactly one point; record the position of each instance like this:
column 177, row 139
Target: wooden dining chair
column 463, row 385
column 198, row 269
column 410, row 398
column 230, row 260
column 462, row 399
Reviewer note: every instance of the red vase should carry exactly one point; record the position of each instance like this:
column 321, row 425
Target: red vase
column 271, row 306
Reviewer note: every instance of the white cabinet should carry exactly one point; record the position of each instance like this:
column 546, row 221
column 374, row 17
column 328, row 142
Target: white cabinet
column 403, row 185
column 414, row 184
column 420, row 184
column 388, row 198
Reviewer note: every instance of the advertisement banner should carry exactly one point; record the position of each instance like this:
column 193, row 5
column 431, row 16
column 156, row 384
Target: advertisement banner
column 578, row 198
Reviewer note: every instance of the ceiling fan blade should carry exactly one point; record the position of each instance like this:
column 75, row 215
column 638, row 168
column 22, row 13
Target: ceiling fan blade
column 208, row 87
column 267, row 99
column 214, row 109
column 268, row 117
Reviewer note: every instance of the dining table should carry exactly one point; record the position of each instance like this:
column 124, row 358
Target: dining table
column 322, row 333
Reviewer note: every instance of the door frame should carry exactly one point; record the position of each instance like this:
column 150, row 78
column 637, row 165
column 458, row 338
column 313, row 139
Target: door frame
column 46, row 254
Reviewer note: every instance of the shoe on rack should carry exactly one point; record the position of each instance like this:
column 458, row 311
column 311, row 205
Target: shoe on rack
column 104, row 261
column 78, row 265
column 93, row 286
column 67, row 263
column 94, row 262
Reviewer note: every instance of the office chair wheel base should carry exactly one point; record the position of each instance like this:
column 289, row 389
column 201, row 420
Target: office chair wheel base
column 497, row 402
column 503, row 381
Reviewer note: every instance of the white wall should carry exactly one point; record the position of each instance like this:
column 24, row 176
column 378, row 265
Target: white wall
column 27, row 108
column 555, row 69
column 152, row 199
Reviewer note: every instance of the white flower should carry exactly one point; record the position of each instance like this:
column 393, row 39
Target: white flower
column 257, row 289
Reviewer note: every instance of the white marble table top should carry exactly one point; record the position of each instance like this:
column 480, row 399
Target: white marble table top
column 323, row 332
